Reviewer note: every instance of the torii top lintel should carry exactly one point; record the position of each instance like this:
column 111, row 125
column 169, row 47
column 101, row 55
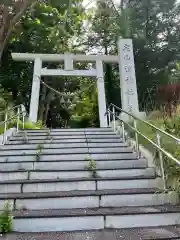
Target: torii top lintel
column 62, row 57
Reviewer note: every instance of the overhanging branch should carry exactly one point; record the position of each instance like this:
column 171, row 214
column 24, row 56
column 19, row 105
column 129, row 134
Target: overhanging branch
column 13, row 22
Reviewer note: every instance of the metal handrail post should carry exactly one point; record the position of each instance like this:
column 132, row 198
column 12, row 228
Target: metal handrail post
column 23, row 121
column 5, row 127
column 137, row 139
column 109, row 117
column 163, row 151
column 158, row 140
column 147, row 123
column 20, row 111
column 18, row 118
column 123, row 131
column 114, row 118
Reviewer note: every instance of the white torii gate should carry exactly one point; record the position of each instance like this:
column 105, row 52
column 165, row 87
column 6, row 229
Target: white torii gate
column 125, row 59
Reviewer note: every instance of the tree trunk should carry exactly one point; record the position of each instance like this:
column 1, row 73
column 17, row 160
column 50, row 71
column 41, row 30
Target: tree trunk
column 1, row 53
column 121, row 4
column 49, row 98
column 6, row 34
column 42, row 103
column 109, row 83
column 109, row 80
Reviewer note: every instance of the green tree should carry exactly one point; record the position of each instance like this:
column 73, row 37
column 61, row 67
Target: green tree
column 11, row 13
column 102, row 37
column 50, row 28
column 155, row 31
column 153, row 26
column 85, row 107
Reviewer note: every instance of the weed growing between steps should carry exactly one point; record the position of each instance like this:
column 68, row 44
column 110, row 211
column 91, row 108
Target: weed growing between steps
column 6, row 219
column 48, row 136
column 39, row 151
column 91, row 166
column 25, row 138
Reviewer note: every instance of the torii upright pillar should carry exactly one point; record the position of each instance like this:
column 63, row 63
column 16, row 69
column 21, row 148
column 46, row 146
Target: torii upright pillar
column 34, row 104
column 101, row 94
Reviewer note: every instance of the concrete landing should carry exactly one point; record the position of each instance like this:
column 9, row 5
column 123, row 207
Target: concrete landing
column 162, row 233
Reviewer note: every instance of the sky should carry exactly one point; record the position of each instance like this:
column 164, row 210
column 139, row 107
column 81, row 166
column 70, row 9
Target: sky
column 86, row 2
column 92, row 2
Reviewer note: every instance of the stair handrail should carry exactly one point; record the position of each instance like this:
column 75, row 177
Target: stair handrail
column 10, row 109
column 157, row 145
column 20, row 112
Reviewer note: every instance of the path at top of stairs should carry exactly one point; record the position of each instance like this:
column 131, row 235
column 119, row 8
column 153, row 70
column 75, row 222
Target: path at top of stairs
column 161, row 233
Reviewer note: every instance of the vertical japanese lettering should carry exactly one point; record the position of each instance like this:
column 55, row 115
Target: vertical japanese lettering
column 126, row 48
column 129, row 79
column 127, row 57
column 127, row 68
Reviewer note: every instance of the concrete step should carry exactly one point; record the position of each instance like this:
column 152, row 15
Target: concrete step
column 110, row 150
column 58, row 174
column 65, row 136
column 20, row 138
column 46, row 141
column 62, row 141
column 88, row 199
column 66, row 133
column 62, row 145
column 50, row 185
column 113, row 156
column 68, row 157
column 148, row 233
column 129, row 183
column 18, row 152
column 49, row 133
column 69, row 130
column 98, row 129
column 56, row 151
column 91, row 219
column 73, row 165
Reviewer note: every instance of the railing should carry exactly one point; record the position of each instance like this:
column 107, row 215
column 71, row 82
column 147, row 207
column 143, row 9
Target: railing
column 112, row 114
column 17, row 113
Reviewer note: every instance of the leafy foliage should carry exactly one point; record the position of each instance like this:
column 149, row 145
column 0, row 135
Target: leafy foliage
column 171, row 168
column 169, row 96
column 11, row 13
column 85, row 109
column 29, row 125
column 6, row 219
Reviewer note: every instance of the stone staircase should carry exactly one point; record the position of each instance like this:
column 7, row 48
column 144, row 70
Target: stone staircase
column 83, row 179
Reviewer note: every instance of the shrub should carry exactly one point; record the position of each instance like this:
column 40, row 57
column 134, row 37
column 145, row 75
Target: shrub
column 156, row 115
column 172, row 126
column 6, row 219
column 169, row 95
column 29, row 125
